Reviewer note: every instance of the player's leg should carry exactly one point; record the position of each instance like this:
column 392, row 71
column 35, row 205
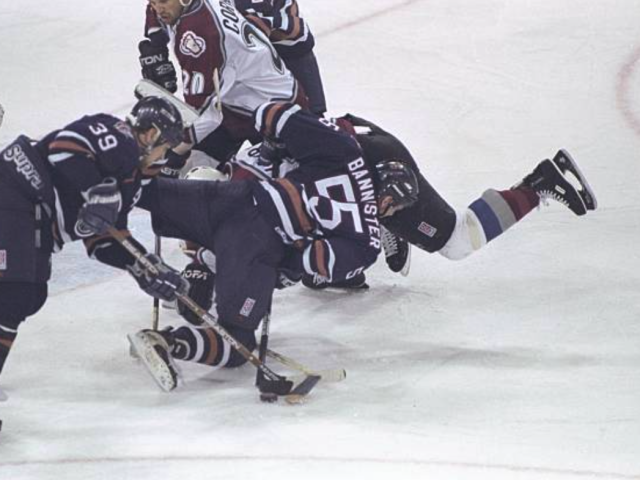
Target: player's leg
column 496, row 211
column 246, row 271
column 305, row 69
column 25, row 254
column 18, row 300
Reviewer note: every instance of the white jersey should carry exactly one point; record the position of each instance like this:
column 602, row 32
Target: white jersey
column 212, row 36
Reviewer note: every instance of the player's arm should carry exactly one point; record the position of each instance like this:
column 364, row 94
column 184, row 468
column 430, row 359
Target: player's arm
column 154, row 54
column 287, row 23
column 258, row 12
column 89, row 203
column 200, row 86
column 337, row 259
column 80, row 185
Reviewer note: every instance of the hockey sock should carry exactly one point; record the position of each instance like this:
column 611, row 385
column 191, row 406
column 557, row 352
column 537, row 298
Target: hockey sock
column 497, row 211
column 200, row 345
column 7, row 337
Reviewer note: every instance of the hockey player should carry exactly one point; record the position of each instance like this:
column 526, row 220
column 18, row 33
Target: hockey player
column 413, row 212
column 431, row 224
column 75, row 184
column 290, row 34
column 212, row 39
column 321, row 220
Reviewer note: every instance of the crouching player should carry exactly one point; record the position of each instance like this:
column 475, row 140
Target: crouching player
column 75, row 184
column 321, row 220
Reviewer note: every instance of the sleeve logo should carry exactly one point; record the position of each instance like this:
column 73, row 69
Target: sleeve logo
column 192, row 45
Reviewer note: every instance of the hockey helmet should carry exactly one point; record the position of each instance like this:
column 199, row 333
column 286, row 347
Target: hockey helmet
column 397, row 186
column 159, row 113
column 205, row 172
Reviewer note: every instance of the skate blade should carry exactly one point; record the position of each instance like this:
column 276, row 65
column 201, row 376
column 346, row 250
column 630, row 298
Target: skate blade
column 407, row 265
column 577, row 179
column 164, row 378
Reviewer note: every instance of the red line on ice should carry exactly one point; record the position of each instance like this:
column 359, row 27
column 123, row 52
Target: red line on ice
column 625, row 104
column 366, row 18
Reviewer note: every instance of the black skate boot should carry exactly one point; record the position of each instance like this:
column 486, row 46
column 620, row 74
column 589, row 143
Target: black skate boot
column 562, row 180
column 397, row 252
column 153, row 349
column 359, row 282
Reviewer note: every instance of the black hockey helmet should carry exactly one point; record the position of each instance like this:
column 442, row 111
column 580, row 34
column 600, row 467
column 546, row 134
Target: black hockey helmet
column 398, row 181
column 159, row 113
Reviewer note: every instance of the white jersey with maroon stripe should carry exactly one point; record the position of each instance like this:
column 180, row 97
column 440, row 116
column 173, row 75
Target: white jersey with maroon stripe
column 212, row 35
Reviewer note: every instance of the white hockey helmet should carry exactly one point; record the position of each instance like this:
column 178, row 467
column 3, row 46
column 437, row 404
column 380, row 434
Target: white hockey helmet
column 204, row 172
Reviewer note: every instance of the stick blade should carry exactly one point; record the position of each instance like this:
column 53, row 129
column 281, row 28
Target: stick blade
column 302, row 389
column 147, row 88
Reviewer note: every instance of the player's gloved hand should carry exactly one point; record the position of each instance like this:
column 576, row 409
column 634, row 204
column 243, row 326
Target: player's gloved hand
column 175, row 163
column 272, row 151
column 202, row 282
column 156, row 66
column 101, row 209
column 161, row 281
column 287, row 278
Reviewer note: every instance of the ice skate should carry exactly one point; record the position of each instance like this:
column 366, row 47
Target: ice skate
column 562, row 180
column 152, row 348
column 397, row 252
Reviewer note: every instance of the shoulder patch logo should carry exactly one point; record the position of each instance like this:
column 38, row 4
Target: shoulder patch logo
column 3, row 259
column 192, row 45
column 428, row 230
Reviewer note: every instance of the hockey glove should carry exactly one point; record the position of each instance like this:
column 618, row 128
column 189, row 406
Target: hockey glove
column 273, row 151
column 201, row 283
column 101, row 209
column 156, row 66
column 287, row 278
column 175, row 162
column 163, row 283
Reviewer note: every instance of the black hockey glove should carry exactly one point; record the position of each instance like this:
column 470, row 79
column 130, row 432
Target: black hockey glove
column 174, row 164
column 201, row 284
column 156, row 66
column 164, row 283
column 273, row 151
column 101, row 209
column 287, row 278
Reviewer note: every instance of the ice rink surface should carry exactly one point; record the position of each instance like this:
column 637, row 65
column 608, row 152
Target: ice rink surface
column 521, row 362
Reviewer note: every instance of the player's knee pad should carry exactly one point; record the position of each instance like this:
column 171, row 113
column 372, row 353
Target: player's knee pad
column 467, row 237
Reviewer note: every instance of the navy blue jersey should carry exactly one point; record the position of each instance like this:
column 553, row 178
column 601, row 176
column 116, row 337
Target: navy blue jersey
column 327, row 205
column 281, row 21
column 82, row 155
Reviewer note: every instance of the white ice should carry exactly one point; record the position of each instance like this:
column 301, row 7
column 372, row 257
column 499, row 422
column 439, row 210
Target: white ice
column 522, row 362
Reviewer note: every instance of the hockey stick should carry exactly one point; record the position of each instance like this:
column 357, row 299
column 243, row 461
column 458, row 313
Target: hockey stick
column 155, row 316
column 147, row 88
column 216, row 89
column 1, row 114
column 326, row 375
column 271, row 382
column 262, row 355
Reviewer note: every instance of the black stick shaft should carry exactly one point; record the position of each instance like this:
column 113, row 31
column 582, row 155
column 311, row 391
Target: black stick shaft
column 155, row 320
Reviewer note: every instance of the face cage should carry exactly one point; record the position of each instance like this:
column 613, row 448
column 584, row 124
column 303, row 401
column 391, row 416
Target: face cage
column 158, row 140
column 400, row 199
